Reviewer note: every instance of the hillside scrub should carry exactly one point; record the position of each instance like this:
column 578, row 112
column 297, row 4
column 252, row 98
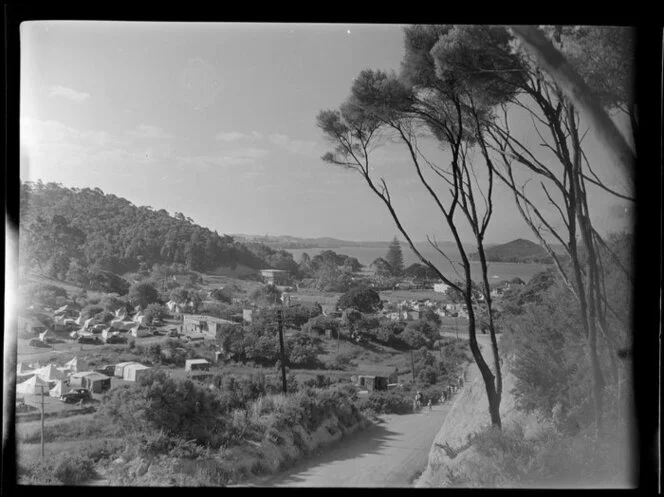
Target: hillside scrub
column 232, row 430
column 65, row 470
column 550, row 437
column 552, row 459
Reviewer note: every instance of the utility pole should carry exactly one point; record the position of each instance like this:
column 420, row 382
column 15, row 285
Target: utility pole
column 42, row 421
column 412, row 365
column 281, row 346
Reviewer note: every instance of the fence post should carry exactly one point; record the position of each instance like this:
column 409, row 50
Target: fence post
column 281, row 346
column 42, row 421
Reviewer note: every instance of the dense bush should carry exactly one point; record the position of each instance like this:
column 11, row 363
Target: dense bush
column 363, row 299
column 159, row 402
column 91, row 310
column 113, row 302
column 66, row 469
column 387, row 402
column 546, row 346
column 72, row 470
column 43, row 294
column 266, row 295
column 414, row 338
column 143, row 294
column 155, row 311
column 302, row 350
column 320, row 324
column 295, row 316
column 507, row 459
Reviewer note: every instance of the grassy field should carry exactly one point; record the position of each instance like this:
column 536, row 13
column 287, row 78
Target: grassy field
column 70, row 288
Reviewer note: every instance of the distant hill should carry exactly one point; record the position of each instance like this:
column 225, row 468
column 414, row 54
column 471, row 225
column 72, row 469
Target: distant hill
column 519, row 250
column 292, row 242
column 66, row 231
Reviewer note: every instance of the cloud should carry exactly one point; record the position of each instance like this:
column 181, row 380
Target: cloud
column 242, row 156
column 63, row 91
column 149, row 132
column 297, row 147
column 232, row 136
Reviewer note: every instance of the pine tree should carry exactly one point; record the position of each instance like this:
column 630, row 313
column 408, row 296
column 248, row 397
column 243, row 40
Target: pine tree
column 394, row 257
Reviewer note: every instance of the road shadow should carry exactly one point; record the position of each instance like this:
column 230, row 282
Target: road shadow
column 369, row 441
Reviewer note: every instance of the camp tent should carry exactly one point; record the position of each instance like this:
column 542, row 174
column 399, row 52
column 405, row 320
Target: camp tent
column 135, row 371
column 22, row 368
column 196, row 365
column 62, row 309
column 32, row 386
column 50, row 373
column 141, row 320
column 76, row 365
column 138, row 332
column 59, row 389
column 120, row 367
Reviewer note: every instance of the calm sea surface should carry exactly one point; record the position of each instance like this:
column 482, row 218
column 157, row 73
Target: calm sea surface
column 497, row 270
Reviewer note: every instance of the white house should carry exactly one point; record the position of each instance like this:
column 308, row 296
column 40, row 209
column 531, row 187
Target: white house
column 440, row 287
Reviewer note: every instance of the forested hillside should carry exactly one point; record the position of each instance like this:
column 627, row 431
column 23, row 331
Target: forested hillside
column 519, row 250
column 64, row 231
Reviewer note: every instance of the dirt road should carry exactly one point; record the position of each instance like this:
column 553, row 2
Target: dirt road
column 389, row 454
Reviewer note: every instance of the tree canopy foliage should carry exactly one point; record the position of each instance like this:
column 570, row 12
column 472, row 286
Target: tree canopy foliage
column 363, row 299
column 61, row 228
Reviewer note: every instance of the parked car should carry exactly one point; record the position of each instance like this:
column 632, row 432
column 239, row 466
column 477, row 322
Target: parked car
column 88, row 340
column 173, row 333
column 76, row 395
column 36, row 342
column 116, row 339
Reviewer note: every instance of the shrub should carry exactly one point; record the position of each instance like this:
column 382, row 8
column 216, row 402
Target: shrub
column 427, row 375
column 390, row 402
column 222, row 295
column 178, row 407
column 361, row 298
column 303, row 350
column 155, row 311
column 72, row 470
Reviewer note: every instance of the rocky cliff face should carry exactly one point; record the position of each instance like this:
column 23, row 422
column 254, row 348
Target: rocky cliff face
column 470, row 414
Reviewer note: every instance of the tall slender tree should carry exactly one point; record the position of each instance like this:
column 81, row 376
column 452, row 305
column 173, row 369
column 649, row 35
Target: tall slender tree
column 402, row 109
column 559, row 166
column 394, row 257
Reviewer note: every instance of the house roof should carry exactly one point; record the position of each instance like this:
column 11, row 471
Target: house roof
column 197, row 361
column 136, row 366
column 92, row 375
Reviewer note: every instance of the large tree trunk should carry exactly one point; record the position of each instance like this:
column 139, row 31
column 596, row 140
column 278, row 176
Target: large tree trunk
column 493, row 396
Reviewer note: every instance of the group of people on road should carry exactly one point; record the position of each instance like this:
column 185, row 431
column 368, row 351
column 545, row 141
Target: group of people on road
column 445, row 396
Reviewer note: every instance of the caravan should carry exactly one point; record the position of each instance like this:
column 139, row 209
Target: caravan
column 135, row 371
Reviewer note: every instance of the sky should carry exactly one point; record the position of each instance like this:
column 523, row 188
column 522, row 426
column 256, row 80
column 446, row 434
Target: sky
column 218, row 121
